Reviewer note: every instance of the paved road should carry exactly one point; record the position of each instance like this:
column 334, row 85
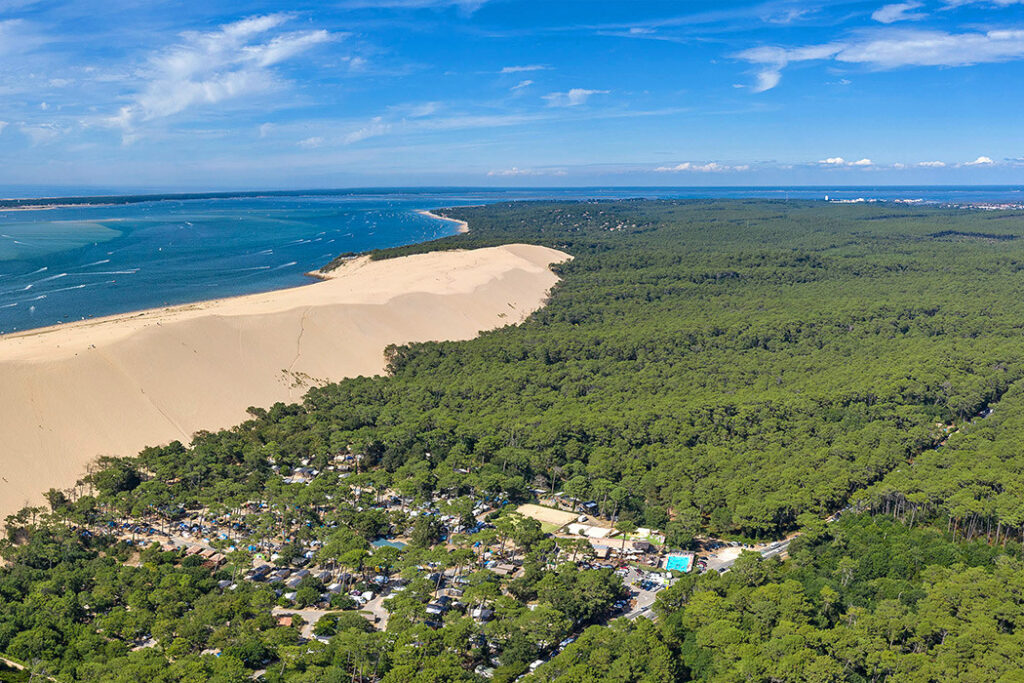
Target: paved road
column 372, row 609
column 723, row 560
column 21, row 667
column 311, row 616
column 644, row 599
column 12, row 664
column 376, row 609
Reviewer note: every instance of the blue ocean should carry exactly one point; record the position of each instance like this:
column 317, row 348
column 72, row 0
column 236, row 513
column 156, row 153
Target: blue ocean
column 63, row 264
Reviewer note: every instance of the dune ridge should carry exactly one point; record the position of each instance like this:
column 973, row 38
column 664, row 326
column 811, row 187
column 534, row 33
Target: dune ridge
column 114, row 385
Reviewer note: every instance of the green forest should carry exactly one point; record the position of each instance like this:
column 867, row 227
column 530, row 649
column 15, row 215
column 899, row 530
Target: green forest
column 730, row 369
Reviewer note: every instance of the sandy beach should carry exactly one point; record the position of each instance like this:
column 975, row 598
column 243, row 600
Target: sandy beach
column 463, row 226
column 111, row 386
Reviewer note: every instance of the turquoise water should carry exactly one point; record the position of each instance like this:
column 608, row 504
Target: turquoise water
column 64, row 264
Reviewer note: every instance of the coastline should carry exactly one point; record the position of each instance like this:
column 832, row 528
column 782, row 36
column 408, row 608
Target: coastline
column 113, row 385
column 463, row 226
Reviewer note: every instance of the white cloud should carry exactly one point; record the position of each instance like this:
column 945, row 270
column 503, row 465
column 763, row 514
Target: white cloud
column 41, row 133
column 572, row 98
column 375, row 128
column 232, row 62
column 520, row 85
column 3, row 124
column 355, row 63
column 265, row 129
column 425, row 109
column 710, row 167
column 311, row 143
column 840, row 161
column 931, row 164
column 935, row 48
column 787, row 16
column 515, row 171
column 902, row 11
column 891, row 49
column 775, row 59
column 980, row 161
column 520, row 69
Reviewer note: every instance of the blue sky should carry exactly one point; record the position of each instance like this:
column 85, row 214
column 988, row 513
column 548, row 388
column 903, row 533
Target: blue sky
column 244, row 94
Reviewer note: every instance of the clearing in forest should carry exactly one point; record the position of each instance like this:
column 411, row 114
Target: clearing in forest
column 557, row 518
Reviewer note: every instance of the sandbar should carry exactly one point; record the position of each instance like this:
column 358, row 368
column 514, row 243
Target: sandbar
column 462, row 226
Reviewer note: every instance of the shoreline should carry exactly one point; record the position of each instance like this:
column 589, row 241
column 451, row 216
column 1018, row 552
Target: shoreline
column 116, row 384
column 463, row 226
column 314, row 275
column 156, row 312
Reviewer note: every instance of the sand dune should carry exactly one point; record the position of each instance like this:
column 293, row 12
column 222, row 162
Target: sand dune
column 114, row 385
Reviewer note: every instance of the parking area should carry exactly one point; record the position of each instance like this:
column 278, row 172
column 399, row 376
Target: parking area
column 644, row 588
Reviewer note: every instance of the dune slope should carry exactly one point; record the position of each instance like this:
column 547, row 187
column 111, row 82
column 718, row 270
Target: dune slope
column 114, row 385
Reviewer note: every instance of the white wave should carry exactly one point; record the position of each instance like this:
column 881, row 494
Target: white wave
column 9, row 305
column 287, row 265
column 265, row 252
column 65, row 289
column 112, row 272
column 52, row 277
column 96, row 263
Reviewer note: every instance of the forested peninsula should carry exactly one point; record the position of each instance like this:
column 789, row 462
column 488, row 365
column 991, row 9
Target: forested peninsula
column 844, row 377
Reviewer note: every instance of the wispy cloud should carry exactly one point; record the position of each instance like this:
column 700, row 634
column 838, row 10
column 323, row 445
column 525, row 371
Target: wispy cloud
column 468, row 6
column 233, row 62
column 520, row 85
column 18, row 37
column 775, row 59
column 41, row 133
column 375, row 128
column 931, row 164
column 520, row 69
column 891, row 49
column 989, row 3
column 572, row 98
column 515, row 171
column 709, row 167
column 902, row 11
